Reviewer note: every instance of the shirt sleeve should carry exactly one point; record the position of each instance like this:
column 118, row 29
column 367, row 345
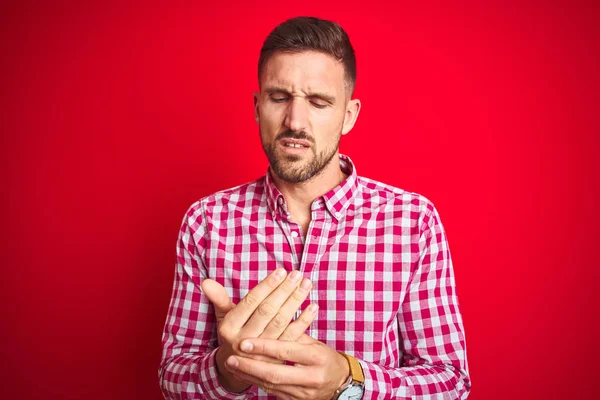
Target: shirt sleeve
column 187, row 369
column 434, row 363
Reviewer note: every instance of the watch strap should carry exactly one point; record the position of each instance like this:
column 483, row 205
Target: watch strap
column 355, row 369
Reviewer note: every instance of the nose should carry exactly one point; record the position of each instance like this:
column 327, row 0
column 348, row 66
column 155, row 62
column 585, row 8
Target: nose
column 297, row 115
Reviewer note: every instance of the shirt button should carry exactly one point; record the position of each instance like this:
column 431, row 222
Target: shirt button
column 273, row 214
column 280, row 200
column 295, row 234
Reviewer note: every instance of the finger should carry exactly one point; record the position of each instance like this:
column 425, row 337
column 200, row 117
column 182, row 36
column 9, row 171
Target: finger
column 305, row 339
column 268, row 374
column 285, row 351
column 268, row 310
column 218, row 296
column 281, row 320
column 296, row 329
column 264, row 358
column 282, row 392
column 245, row 308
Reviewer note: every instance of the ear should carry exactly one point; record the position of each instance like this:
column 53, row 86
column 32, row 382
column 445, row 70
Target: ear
column 352, row 110
column 256, row 113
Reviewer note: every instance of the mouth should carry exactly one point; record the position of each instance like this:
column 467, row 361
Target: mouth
column 294, row 146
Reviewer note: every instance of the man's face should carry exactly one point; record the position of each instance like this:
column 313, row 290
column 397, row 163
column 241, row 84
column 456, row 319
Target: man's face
column 300, row 110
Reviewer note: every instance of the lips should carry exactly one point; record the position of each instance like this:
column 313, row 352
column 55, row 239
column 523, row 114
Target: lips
column 295, row 143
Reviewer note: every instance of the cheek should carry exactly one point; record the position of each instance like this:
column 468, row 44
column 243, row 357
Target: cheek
column 328, row 124
column 270, row 119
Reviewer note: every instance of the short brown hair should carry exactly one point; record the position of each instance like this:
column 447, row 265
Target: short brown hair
column 310, row 33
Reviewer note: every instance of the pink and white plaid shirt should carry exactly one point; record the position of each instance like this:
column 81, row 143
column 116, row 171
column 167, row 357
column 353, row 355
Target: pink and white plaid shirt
column 382, row 277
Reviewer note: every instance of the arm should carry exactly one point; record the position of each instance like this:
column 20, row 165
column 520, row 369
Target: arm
column 434, row 361
column 192, row 366
column 187, row 368
column 434, row 364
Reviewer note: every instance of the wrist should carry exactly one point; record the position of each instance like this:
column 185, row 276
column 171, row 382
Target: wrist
column 344, row 369
column 354, row 386
column 342, row 376
column 226, row 378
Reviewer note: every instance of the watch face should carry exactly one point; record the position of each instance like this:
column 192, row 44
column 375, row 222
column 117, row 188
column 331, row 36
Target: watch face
column 351, row 393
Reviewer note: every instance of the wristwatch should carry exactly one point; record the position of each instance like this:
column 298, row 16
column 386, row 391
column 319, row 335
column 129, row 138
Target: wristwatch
column 354, row 387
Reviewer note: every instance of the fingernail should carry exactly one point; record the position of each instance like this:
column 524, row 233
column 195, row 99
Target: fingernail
column 280, row 273
column 305, row 284
column 246, row 346
column 295, row 276
column 313, row 308
column 233, row 362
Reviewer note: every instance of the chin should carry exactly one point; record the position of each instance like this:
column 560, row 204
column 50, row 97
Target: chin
column 292, row 158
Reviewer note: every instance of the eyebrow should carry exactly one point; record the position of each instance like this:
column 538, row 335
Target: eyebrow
column 328, row 98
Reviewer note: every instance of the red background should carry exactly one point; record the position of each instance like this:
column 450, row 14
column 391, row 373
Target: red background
column 115, row 118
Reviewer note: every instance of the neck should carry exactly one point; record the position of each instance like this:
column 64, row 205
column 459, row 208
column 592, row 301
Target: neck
column 299, row 196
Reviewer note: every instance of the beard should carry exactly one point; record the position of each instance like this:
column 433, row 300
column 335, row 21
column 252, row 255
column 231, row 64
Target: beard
column 290, row 168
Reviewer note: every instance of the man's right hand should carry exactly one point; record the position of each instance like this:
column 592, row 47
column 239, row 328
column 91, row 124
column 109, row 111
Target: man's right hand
column 264, row 312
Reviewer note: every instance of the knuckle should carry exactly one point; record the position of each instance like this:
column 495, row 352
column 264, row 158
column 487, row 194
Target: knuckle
column 290, row 334
column 289, row 286
column 267, row 387
column 318, row 380
column 266, row 310
column 279, row 321
column 299, row 296
column 307, row 318
column 272, row 379
column 251, row 300
column 273, row 282
column 284, row 354
column 224, row 333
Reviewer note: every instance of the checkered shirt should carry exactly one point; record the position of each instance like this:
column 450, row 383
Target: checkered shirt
column 382, row 276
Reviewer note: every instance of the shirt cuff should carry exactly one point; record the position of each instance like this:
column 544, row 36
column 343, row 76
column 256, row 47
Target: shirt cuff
column 379, row 385
column 209, row 379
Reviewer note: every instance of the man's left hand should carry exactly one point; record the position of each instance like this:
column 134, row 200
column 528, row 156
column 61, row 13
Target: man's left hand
column 318, row 372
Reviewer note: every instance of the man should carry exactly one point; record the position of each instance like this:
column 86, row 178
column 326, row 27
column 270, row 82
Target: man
column 312, row 282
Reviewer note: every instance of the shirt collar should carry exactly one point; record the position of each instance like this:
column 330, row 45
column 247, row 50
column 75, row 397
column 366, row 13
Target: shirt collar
column 337, row 200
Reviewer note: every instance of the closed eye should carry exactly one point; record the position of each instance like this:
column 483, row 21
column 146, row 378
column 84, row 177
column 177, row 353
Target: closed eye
column 318, row 105
column 315, row 103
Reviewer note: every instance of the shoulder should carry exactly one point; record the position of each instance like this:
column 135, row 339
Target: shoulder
column 242, row 197
column 400, row 202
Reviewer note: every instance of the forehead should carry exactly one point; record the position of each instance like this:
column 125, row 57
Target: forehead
column 304, row 71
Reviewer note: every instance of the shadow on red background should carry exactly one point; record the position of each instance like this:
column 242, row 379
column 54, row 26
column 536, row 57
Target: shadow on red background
column 116, row 118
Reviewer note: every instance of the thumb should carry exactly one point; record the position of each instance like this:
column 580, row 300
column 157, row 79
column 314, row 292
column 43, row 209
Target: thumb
column 218, row 297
